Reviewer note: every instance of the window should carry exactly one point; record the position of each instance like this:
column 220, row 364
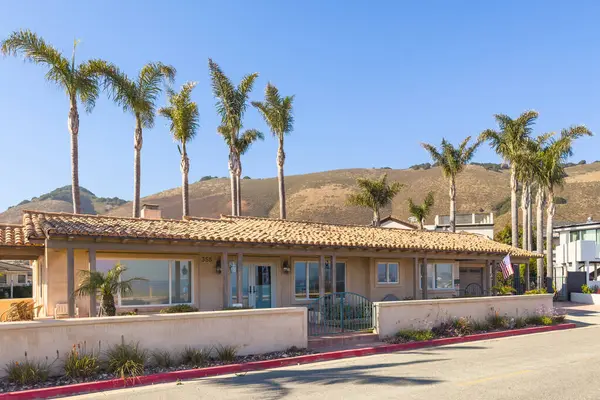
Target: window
column 165, row 281
column 577, row 235
column 306, row 276
column 440, row 276
column 21, row 278
column 2, row 278
column 340, row 277
column 387, row 273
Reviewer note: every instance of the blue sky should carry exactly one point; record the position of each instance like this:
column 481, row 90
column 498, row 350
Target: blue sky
column 372, row 80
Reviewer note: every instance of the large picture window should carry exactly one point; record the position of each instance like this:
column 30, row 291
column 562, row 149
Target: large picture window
column 165, row 281
column 306, row 279
column 440, row 276
column 387, row 273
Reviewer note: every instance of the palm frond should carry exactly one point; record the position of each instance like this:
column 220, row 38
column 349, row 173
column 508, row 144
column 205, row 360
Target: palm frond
column 182, row 113
column 33, row 48
column 246, row 139
column 374, row 193
column 223, row 90
column 276, row 111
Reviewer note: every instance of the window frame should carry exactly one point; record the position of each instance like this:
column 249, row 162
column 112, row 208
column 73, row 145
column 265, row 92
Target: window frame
column 307, row 277
column 4, row 278
column 24, row 279
column 171, row 262
column 387, row 273
column 434, row 281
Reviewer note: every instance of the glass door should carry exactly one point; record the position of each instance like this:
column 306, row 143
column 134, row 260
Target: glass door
column 256, row 286
column 262, row 286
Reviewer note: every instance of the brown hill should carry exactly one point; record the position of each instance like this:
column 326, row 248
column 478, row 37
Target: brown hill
column 321, row 196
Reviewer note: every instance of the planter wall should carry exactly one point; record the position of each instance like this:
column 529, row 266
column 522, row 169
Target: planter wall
column 585, row 298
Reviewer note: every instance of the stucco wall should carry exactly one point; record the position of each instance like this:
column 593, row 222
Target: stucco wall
column 404, row 287
column 390, row 317
column 251, row 331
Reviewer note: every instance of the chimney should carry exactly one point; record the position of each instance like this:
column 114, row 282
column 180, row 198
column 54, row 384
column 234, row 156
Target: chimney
column 151, row 211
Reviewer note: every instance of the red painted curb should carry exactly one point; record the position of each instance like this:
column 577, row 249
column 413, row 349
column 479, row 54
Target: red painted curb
column 80, row 388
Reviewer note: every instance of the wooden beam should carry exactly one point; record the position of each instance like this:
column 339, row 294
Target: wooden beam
column 321, row 276
column 239, row 276
column 71, row 282
column 92, row 266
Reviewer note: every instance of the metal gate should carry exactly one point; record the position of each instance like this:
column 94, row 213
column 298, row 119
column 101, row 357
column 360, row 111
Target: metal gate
column 338, row 313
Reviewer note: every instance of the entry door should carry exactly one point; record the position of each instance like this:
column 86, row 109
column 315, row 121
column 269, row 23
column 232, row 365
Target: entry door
column 257, row 286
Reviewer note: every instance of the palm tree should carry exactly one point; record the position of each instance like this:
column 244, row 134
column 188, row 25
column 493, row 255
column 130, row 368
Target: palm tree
column 452, row 160
column 108, row 285
column 508, row 142
column 277, row 112
column 231, row 105
column 526, row 164
column 374, row 194
column 421, row 211
column 138, row 96
column 79, row 81
column 552, row 175
column 184, row 116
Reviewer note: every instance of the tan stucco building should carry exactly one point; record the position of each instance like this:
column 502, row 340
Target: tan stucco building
column 196, row 261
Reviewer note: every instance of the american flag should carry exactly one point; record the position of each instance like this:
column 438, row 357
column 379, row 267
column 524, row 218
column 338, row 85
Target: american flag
column 506, row 266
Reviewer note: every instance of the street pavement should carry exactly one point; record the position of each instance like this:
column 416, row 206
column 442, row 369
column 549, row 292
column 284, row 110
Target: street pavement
column 554, row 365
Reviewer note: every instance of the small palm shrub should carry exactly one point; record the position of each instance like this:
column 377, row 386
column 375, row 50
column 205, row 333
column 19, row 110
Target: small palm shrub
column 226, row 353
column 196, row 357
column 27, row 372
column 126, row 360
column 415, row 335
column 180, row 308
column 162, row 358
column 81, row 364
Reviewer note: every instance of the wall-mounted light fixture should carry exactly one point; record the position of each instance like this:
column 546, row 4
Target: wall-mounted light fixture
column 286, row 266
column 218, row 267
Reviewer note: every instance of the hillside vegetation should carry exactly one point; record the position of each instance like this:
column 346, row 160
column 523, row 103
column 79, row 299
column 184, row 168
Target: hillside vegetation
column 322, row 196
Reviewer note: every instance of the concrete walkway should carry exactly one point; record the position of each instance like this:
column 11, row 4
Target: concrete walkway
column 581, row 314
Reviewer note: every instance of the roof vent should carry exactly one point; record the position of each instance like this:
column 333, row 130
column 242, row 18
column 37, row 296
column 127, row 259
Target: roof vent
column 151, row 211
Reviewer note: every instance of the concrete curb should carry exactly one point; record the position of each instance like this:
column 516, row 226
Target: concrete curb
column 88, row 387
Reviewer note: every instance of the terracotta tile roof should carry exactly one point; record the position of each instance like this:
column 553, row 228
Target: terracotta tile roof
column 254, row 230
column 13, row 235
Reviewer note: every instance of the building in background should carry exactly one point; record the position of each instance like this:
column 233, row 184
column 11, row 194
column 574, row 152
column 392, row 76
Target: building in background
column 578, row 248
column 477, row 223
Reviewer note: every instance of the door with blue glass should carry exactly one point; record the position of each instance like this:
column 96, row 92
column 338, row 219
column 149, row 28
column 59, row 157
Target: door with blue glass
column 262, row 286
column 257, row 286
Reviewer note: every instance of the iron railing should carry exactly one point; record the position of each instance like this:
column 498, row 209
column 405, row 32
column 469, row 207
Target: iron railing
column 338, row 313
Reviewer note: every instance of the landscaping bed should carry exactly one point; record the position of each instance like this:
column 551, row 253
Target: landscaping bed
column 125, row 361
column 458, row 327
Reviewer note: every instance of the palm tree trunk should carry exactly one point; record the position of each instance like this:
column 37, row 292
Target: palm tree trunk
column 280, row 162
column 524, row 239
column 551, row 208
column 376, row 217
column 540, row 236
column 108, row 304
column 529, row 219
column 137, row 153
column 238, row 182
column 74, row 130
column 232, row 178
column 514, row 221
column 185, row 169
column 452, row 204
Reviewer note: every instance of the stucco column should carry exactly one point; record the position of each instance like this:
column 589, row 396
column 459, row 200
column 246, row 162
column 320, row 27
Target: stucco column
column 70, row 282
column 587, row 272
column 225, row 273
column 416, row 279
column 334, row 274
column 322, row 276
column 424, row 287
column 92, row 263
column 489, row 268
column 239, row 278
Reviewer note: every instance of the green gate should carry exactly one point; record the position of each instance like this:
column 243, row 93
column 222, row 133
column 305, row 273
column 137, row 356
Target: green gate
column 338, row 313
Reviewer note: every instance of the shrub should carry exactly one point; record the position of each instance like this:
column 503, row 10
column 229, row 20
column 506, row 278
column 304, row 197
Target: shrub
column 590, row 289
column 226, row 353
column 195, row 357
column 498, row 321
column 126, row 360
column 503, row 290
column 520, row 322
column 540, row 319
column 462, row 326
column 20, row 311
column 162, row 358
column 536, row 291
column 126, row 313
column 181, row 308
column 480, row 326
column 80, row 364
column 27, row 372
column 410, row 335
